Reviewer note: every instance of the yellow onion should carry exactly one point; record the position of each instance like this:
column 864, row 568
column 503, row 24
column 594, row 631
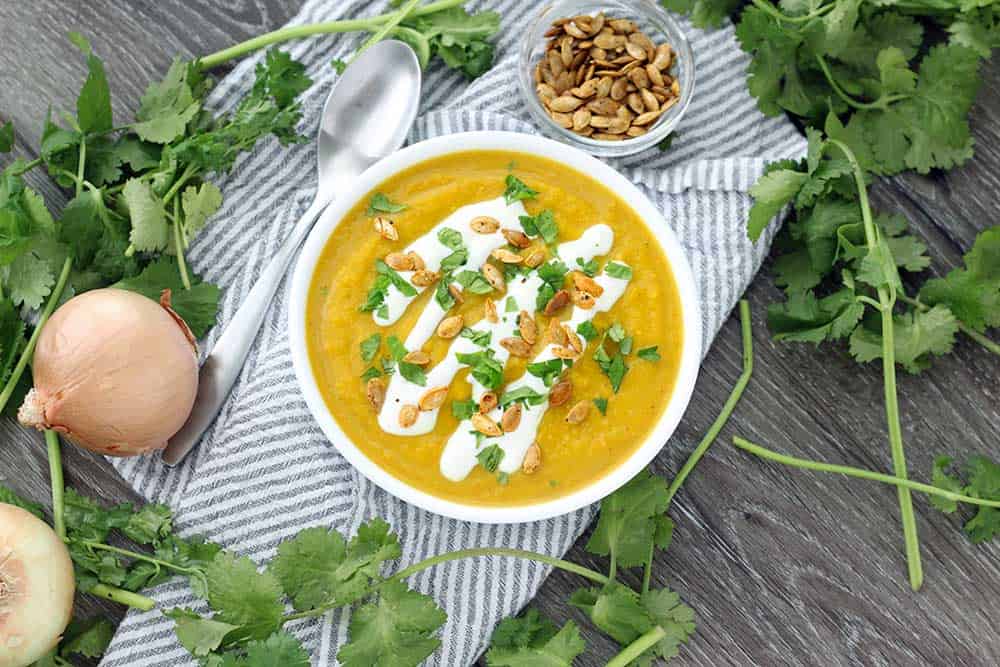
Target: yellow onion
column 36, row 587
column 114, row 371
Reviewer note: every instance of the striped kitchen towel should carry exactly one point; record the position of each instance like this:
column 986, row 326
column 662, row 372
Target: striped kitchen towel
column 266, row 471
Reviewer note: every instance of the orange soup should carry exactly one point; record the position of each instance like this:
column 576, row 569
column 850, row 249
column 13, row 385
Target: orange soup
column 494, row 328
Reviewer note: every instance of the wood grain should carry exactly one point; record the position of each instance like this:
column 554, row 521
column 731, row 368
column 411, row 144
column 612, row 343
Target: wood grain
column 783, row 567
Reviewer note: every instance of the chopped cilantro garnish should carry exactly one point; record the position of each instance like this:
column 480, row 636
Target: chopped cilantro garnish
column 510, row 306
column 612, row 366
column 590, row 268
column 616, row 332
column 503, row 478
column 463, row 410
column 396, row 348
column 602, row 405
column 649, row 353
column 473, row 282
column 380, row 203
column 380, row 288
column 370, row 346
column 480, row 338
column 625, row 346
column 485, row 369
column 455, row 260
column 587, row 330
column 548, row 371
column 490, row 457
column 383, row 312
column 616, row 270
column 451, row 238
column 517, row 190
column 371, row 373
column 543, row 224
column 525, row 395
column 443, row 295
column 553, row 275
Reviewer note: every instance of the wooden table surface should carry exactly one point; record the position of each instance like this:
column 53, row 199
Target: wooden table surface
column 781, row 566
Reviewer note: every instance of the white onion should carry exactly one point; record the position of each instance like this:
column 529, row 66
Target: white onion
column 36, row 587
column 115, row 371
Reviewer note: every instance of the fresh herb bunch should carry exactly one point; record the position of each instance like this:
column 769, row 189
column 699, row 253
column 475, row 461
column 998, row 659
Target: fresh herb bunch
column 840, row 267
column 139, row 195
column 901, row 91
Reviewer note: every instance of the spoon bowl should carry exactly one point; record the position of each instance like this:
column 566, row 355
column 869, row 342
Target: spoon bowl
column 366, row 117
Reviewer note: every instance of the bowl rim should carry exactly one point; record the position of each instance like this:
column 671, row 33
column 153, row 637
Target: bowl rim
column 572, row 158
column 659, row 131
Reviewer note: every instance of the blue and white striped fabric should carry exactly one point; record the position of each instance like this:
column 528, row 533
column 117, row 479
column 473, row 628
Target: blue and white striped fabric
column 266, row 471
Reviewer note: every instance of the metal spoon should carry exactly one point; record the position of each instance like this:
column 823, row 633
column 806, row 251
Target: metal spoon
column 367, row 116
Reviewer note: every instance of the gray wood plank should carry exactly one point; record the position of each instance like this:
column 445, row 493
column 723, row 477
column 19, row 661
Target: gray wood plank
column 782, row 566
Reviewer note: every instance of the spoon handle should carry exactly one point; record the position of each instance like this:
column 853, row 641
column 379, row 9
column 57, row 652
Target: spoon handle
column 223, row 365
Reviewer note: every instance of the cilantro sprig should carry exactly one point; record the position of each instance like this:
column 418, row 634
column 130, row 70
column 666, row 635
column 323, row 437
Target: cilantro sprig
column 901, row 94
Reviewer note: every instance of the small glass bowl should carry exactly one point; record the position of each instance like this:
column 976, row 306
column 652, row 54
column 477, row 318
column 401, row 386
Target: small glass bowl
column 651, row 19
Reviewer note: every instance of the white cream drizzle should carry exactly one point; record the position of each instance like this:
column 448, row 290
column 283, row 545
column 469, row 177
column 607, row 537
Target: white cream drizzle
column 459, row 456
column 432, row 251
column 595, row 241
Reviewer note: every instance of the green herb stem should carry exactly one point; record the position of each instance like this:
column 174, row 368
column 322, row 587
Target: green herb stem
column 127, row 598
column 386, row 27
column 638, row 647
column 299, row 32
column 100, row 546
column 459, row 555
column 56, row 481
column 26, row 167
column 717, row 425
column 79, row 168
column 179, row 247
column 968, row 331
column 29, row 349
column 727, row 409
column 887, row 299
column 860, row 473
column 881, row 103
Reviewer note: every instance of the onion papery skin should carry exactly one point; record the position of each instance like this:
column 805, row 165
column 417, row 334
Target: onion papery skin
column 114, row 371
column 36, row 587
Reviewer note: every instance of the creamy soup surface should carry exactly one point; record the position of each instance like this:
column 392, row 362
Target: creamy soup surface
column 414, row 387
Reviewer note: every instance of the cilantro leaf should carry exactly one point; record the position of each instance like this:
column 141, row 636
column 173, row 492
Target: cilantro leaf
column 455, row 36
column 242, row 596
column 942, row 479
column 318, row 566
column 7, row 137
column 395, row 631
column 775, row 190
column 984, row 482
column 197, row 306
column 534, row 641
column 627, row 527
column 525, row 395
column 150, row 232
column 516, row 190
column 463, row 410
column 618, row 270
column 89, row 639
column 485, row 368
column 615, row 610
column 918, row 335
column 93, row 105
column 370, row 347
column 167, row 106
column 200, row 636
column 602, row 405
column 199, row 204
column 543, row 224
column 490, row 457
column 380, row 203
column 649, row 353
column 473, row 282
column 668, row 612
column 972, row 293
column 587, row 330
